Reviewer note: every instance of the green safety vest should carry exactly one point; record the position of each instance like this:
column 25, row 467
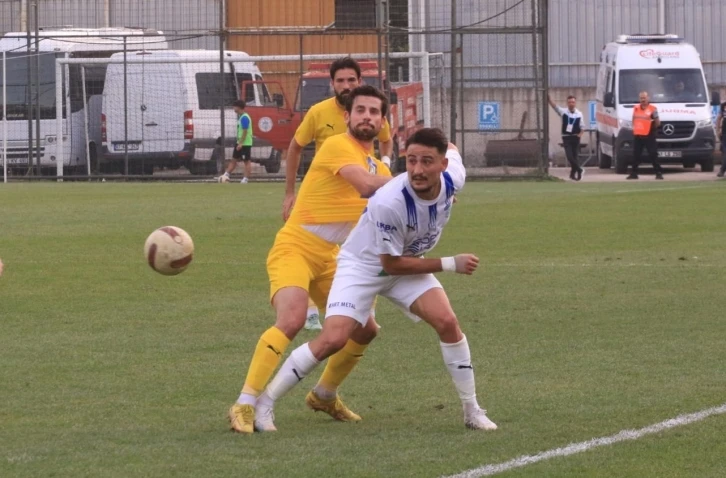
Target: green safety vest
column 240, row 130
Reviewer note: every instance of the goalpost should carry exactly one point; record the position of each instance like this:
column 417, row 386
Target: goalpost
column 62, row 71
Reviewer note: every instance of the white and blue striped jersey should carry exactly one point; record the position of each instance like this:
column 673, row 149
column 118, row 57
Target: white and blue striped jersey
column 397, row 222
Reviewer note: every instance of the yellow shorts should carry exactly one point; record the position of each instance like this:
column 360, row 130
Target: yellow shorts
column 299, row 258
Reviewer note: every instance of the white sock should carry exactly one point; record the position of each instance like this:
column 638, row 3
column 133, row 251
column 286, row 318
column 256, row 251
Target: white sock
column 297, row 366
column 226, row 174
column 264, row 401
column 247, row 399
column 457, row 358
column 312, row 310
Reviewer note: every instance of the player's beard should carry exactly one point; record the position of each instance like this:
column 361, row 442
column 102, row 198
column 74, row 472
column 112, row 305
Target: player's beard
column 364, row 134
column 342, row 97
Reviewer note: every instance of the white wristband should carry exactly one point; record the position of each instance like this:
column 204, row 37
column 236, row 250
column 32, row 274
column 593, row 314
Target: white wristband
column 386, row 160
column 448, row 264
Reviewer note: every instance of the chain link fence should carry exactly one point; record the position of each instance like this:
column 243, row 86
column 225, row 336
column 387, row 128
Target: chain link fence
column 143, row 90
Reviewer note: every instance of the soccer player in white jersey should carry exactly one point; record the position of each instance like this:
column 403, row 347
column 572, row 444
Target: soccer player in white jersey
column 384, row 256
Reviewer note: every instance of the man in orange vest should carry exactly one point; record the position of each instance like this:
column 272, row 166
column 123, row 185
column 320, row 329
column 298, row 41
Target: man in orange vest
column 645, row 126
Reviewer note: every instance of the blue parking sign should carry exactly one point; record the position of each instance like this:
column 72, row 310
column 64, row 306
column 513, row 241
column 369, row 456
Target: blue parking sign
column 489, row 115
column 592, row 108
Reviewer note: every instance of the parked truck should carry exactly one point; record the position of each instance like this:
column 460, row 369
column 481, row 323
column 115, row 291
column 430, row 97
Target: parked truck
column 277, row 122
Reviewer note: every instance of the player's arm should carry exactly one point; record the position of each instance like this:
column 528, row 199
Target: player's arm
column 292, row 163
column 385, row 143
column 456, row 168
column 386, row 149
column 363, row 181
column 402, row 265
column 389, row 244
column 656, row 119
column 304, row 135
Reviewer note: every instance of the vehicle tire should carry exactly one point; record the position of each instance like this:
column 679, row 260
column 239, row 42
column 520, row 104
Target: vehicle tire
column 210, row 167
column 93, row 155
column 707, row 165
column 621, row 164
column 603, row 160
column 135, row 168
column 272, row 165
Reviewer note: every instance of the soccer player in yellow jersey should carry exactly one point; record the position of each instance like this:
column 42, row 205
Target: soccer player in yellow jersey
column 301, row 263
column 322, row 121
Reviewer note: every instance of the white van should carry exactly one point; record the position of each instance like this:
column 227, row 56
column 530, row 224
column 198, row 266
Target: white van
column 670, row 70
column 174, row 109
column 80, row 144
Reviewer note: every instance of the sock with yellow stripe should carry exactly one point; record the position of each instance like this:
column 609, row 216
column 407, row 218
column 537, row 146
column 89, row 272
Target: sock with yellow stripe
column 338, row 368
column 269, row 350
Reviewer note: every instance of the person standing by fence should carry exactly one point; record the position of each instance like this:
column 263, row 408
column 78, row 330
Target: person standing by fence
column 645, row 127
column 243, row 147
column 572, row 131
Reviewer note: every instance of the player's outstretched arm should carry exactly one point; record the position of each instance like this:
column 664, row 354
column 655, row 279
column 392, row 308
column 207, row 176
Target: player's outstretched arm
column 401, row 265
column 363, row 181
column 292, row 162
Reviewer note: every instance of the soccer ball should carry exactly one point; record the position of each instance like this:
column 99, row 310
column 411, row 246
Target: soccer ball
column 169, row 250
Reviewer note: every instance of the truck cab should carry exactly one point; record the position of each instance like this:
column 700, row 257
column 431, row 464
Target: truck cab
column 280, row 120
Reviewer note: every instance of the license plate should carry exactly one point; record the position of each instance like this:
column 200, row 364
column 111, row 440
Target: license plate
column 131, row 146
column 670, row 154
column 17, row 160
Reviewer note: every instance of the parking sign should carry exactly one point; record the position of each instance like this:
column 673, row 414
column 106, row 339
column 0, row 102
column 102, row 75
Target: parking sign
column 592, row 107
column 489, row 115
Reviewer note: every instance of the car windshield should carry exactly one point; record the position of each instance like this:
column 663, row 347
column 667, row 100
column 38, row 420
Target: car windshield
column 663, row 86
column 314, row 90
column 20, row 92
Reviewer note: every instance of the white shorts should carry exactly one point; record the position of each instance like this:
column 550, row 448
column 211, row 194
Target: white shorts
column 354, row 290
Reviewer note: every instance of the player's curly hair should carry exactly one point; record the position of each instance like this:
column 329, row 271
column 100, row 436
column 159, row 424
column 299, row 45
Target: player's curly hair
column 343, row 63
column 431, row 137
column 367, row 90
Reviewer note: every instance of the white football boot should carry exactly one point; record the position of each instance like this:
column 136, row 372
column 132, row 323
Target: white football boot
column 477, row 420
column 264, row 418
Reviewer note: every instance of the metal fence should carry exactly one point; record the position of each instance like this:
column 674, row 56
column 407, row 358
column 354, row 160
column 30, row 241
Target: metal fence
column 135, row 89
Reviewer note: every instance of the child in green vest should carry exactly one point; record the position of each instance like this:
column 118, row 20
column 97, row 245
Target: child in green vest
column 243, row 148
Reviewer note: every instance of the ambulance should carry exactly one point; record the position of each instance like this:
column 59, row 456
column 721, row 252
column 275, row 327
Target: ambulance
column 670, row 70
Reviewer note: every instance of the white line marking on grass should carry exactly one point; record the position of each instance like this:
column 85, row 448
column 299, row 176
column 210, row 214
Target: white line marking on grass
column 679, row 264
column 573, row 448
column 648, row 190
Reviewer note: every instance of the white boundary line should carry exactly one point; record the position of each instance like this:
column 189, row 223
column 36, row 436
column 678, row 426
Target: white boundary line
column 573, row 448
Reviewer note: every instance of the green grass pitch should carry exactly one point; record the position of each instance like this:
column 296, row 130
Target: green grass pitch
column 597, row 308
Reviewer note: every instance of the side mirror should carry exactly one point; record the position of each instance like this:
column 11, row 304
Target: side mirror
column 394, row 98
column 278, row 99
column 715, row 98
column 609, row 101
